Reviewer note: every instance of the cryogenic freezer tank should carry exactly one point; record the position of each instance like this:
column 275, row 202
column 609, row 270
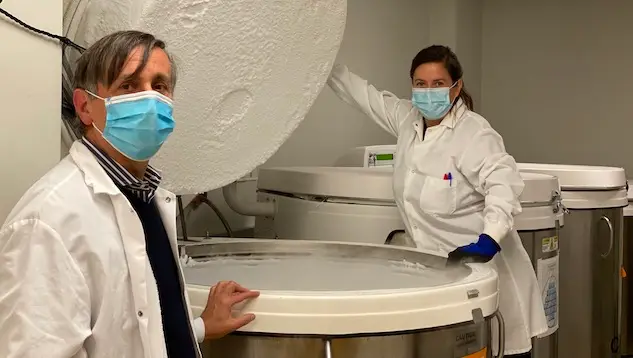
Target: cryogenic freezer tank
column 590, row 258
column 539, row 227
column 356, row 203
column 348, row 300
column 627, row 288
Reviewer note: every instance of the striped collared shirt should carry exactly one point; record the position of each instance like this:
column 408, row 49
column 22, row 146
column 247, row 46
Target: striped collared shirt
column 144, row 189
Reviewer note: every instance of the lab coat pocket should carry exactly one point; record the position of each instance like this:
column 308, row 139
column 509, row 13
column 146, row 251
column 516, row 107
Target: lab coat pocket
column 438, row 195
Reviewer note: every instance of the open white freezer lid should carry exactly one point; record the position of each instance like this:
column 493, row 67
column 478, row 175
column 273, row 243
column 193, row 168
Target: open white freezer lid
column 328, row 295
column 248, row 73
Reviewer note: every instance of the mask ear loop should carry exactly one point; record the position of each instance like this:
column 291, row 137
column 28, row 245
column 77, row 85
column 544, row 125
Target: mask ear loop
column 94, row 95
column 454, row 101
column 93, row 122
column 98, row 130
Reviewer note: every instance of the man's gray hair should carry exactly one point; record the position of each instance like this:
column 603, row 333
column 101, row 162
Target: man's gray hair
column 103, row 62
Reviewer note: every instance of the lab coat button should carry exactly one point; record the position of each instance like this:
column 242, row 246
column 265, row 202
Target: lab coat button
column 168, row 200
column 140, row 313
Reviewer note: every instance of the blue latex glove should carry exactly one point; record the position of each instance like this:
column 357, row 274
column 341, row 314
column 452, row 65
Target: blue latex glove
column 482, row 251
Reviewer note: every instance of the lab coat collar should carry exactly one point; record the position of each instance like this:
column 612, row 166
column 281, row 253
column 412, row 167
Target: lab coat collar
column 453, row 116
column 96, row 178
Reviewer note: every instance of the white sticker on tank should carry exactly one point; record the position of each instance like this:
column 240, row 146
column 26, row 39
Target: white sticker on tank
column 547, row 273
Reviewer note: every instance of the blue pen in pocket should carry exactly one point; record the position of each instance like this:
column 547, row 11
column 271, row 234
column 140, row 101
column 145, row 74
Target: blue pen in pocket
column 450, row 179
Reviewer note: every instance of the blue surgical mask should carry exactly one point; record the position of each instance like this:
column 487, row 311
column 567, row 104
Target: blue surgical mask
column 137, row 124
column 433, row 103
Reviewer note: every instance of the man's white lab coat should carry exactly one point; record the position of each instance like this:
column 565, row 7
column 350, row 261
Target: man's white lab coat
column 75, row 279
column 482, row 195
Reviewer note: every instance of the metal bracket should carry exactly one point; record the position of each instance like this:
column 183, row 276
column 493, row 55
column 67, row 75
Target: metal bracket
column 478, row 316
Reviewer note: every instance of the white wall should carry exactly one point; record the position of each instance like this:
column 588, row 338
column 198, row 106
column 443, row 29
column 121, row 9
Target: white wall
column 557, row 79
column 30, row 92
column 381, row 38
column 457, row 24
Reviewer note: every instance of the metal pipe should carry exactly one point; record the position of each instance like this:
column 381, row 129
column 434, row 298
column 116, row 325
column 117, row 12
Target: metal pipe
column 247, row 209
column 328, row 348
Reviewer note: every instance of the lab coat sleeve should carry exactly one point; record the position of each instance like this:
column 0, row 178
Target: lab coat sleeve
column 381, row 106
column 494, row 174
column 44, row 298
column 199, row 330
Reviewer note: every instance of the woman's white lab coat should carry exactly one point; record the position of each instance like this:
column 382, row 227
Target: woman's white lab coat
column 75, row 280
column 482, row 197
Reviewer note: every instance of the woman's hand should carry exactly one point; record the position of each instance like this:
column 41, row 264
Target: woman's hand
column 218, row 316
column 482, row 251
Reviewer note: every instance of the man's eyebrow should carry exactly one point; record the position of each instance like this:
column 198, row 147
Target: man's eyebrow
column 162, row 77
column 125, row 77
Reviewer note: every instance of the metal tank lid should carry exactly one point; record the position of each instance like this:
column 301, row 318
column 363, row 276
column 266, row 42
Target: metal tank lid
column 585, row 187
column 335, row 288
column 338, row 182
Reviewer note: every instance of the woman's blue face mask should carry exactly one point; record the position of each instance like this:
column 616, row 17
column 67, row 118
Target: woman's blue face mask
column 433, row 103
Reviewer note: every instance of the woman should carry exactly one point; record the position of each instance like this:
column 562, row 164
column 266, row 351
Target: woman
column 455, row 186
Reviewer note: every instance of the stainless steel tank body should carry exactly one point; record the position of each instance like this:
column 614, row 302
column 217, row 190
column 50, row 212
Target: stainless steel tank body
column 626, row 347
column 541, row 242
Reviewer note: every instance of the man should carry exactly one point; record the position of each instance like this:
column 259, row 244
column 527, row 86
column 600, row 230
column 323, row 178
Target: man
column 88, row 257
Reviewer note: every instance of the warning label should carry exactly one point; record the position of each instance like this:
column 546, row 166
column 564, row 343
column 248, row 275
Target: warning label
column 549, row 244
column 481, row 354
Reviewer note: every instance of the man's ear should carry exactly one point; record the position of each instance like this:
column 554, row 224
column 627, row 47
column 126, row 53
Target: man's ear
column 82, row 106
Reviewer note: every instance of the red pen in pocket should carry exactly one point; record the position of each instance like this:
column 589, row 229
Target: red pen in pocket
column 448, row 176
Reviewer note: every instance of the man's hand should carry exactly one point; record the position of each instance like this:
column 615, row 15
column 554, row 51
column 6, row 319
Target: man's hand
column 217, row 315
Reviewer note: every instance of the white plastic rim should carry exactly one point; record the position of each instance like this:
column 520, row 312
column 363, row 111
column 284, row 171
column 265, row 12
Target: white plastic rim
column 339, row 182
column 536, row 200
column 580, row 177
column 366, row 312
column 585, row 187
column 538, row 218
column 539, row 188
column 628, row 211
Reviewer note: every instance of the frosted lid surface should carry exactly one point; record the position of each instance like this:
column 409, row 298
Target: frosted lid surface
column 335, row 288
column 249, row 71
column 314, row 273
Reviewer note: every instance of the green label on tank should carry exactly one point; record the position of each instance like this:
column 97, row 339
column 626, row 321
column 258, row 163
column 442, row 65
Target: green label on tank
column 549, row 244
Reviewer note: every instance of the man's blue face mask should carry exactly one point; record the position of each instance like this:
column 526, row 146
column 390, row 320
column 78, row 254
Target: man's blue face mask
column 137, row 124
column 433, row 103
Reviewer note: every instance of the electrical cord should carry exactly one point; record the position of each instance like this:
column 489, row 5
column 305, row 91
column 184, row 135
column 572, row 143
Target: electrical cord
column 200, row 199
column 225, row 222
column 63, row 39
column 68, row 109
